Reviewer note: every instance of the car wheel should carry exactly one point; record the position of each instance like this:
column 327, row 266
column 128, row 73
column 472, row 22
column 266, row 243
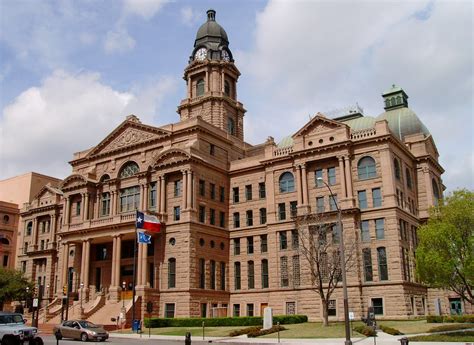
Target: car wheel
column 37, row 341
column 8, row 340
column 58, row 335
column 84, row 337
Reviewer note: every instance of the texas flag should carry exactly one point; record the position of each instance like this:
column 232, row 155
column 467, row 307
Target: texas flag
column 150, row 223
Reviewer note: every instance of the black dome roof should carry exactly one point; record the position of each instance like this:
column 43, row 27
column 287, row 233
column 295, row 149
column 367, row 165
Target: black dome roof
column 211, row 31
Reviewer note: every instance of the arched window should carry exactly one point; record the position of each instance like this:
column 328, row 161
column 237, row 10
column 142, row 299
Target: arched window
column 436, row 194
column 396, row 166
column 230, row 126
column 394, row 102
column 387, row 102
column 171, row 272
column 408, row 177
column 29, row 228
column 287, row 183
column 104, row 178
column 6, row 219
column 399, row 100
column 265, row 274
column 227, row 88
column 105, row 208
column 129, row 169
column 366, row 168
column 4, row 241
column 382, row 261
column 200, row 87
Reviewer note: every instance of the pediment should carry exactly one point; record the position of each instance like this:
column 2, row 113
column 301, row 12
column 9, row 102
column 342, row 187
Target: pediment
column 47, row 192
column 73, row 181
column 170, row 157
column 129, row 133
column 318, row 124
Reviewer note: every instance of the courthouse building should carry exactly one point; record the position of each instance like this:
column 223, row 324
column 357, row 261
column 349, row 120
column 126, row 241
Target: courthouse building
column 230, row 210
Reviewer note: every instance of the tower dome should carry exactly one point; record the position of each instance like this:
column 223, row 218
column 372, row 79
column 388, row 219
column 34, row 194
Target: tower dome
column 211, row 32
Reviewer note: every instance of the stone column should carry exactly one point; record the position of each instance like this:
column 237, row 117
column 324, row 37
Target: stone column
column 97, row 206
column 144, row 264
column 163, row 194
column 142, row 197
column 189, row 88
column 86, row 207
column 64, row 210
column 145, row 197
column 184, row 187
column 118, row 260
column 298, row 185
column 65, row 264
column 304, row 178
column 83, row 262
column 114, row 260
column 190, row 190
column 139, row 264
column 348, row 177
column 222, row 82
column 342, row 177
column 52, row 229
column 87, row 263
column 208, row 86
column 35, row 232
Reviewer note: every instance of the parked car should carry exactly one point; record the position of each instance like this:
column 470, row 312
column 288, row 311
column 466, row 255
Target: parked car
column 81, row 330
column 14, row 331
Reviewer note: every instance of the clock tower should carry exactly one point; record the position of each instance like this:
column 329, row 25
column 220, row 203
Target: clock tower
column 211, row 79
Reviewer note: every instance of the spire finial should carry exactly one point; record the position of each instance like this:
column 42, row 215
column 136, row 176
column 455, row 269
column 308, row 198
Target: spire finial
column 211, row 15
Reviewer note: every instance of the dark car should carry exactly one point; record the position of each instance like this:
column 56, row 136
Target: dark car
column 81, row 330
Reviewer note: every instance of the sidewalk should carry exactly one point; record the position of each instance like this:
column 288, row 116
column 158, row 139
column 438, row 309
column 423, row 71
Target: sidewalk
column 381, row 339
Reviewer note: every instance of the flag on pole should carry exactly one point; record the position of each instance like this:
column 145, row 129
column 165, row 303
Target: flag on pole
column 143, row 237
column 146, row 222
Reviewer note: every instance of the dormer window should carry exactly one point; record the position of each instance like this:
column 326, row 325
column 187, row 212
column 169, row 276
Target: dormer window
column 200, row 87
column 227, row 88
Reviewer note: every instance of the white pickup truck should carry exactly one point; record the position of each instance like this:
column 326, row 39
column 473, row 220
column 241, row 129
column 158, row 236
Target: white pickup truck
column 13, row 330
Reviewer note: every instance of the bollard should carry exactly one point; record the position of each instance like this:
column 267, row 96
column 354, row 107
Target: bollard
column 404, row 341
column 187, row 338
column 278, row 327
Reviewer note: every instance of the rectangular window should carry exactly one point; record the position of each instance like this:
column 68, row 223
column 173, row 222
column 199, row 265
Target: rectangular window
column 364, row 231
column 318, row 174
column 236, row 220
column 176, row 213
column 290, row 308
column 377, row 304
column 367, row 257
column 296, row 270
column 237, row 275
column 212, row 188
column 222, row 194
column 130, row 199
column 249, row 309
column 331, row 176
column 362, row 196
column 293, row 210
column 248, row 192
column 222, row 275
column 236, row 246
column 284, row 271
column 281, row 211
column 213, row 275
column 78, row 208
column 203, row 310
column 202, row 213
column 249, row 220
column 320, row 204
column 264, row 273
column 171, row 273
column 236, row 310
column 335, row 234
column 169, row 310
column 283, row 240
column 263, row 244
column 177, row 188
column 222, row 219
column 263, row 215
column 5, row 260
column 294, row 239
column 212, row 149
column 202, row 188
column 250, row 245
column 376, row 197
column 261, row 190
column 105, row 209
column 212, row 216
column 25, row 247
column 235, row 194
column 333, row 202
column 251, row 275
column 202, row 273
column 152, row 196
column 379, row 229
column 382, row 260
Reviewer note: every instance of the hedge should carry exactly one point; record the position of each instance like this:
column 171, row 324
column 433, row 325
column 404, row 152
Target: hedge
column 156, row 322
column 256, row 331
column 366, row 330
column 390, row 330
column 450, row 318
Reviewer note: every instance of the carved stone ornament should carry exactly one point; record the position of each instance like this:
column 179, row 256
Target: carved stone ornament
column 130, row 136
column 172, row 157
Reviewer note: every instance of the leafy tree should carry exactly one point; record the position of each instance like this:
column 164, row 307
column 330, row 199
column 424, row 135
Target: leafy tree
column 318, row 239
column 445, row 254
column 13, row 286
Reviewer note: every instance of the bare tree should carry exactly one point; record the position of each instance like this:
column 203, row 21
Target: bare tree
column 319, row 245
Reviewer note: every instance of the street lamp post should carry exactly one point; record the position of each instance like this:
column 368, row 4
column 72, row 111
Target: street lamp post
column 124, row 285
column 343, row 266
column 82, row 293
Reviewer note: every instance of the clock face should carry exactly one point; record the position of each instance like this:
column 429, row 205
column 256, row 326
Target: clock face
column 200, row 54
column 225, row 55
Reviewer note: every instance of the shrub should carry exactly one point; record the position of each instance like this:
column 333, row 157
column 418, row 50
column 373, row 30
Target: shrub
column 156, row 322
column 261, row 332
column 390, row 330
column 446, row 328
column 365, row 330
column 450, row 318
column 242, row 331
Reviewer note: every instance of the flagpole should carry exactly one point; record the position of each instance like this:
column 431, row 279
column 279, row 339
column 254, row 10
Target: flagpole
column 135, row 245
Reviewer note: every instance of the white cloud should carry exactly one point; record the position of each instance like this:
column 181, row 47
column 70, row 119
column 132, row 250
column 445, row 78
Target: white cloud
column 68, row 113
column 189, row 16
column 144, row 8
column 118, row 41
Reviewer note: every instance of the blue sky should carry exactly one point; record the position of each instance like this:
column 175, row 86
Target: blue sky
column 70, row 71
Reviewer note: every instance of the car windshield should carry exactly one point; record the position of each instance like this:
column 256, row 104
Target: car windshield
column 87, row 324
column 5, row 319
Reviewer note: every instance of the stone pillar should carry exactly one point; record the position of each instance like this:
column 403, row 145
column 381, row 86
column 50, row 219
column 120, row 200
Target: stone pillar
column 83, row 262
column 388, row 178
column 184, row 186
column 35, row 232
column 97, row 206
column 52, row 229
column 142, row 196
column 118, row 260
column 65, row 264
column 87, row 263
column 348, row 177
column 304, row 178
column 189, row 88
column 208, row 86
column 163, row 194
column 342, row 177
column 298, row 185
column 86, row 206
column 189, row 186
column 64, row 210
column 114, row 260
column 139, row 265
column 145, row 196
column 113, row 202
column 144, row 264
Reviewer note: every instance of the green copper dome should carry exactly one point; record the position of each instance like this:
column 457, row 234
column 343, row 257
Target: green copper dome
column 403, row 122
column 211, row 31
column 359, row 123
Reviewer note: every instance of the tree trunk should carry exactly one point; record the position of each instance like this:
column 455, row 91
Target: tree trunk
column 325, row 313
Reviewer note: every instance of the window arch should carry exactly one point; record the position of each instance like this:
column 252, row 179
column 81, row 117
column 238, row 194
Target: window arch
column 6, row 219
column 171, row 272
column 366, row 168
column 29, row 228
column 227, row 88
column 436, row 194
column 4, row 241
column 200, row 87
column 104, row 178
column 129, row 169
column 396, row 166
column 399, row 100
column 408, row 177
column 387, row 102
column 287, row 182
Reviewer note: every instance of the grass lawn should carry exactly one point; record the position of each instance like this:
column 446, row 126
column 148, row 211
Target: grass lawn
column 412, row 326
column 465, row 337
column 314, row 330
column 195, row 331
